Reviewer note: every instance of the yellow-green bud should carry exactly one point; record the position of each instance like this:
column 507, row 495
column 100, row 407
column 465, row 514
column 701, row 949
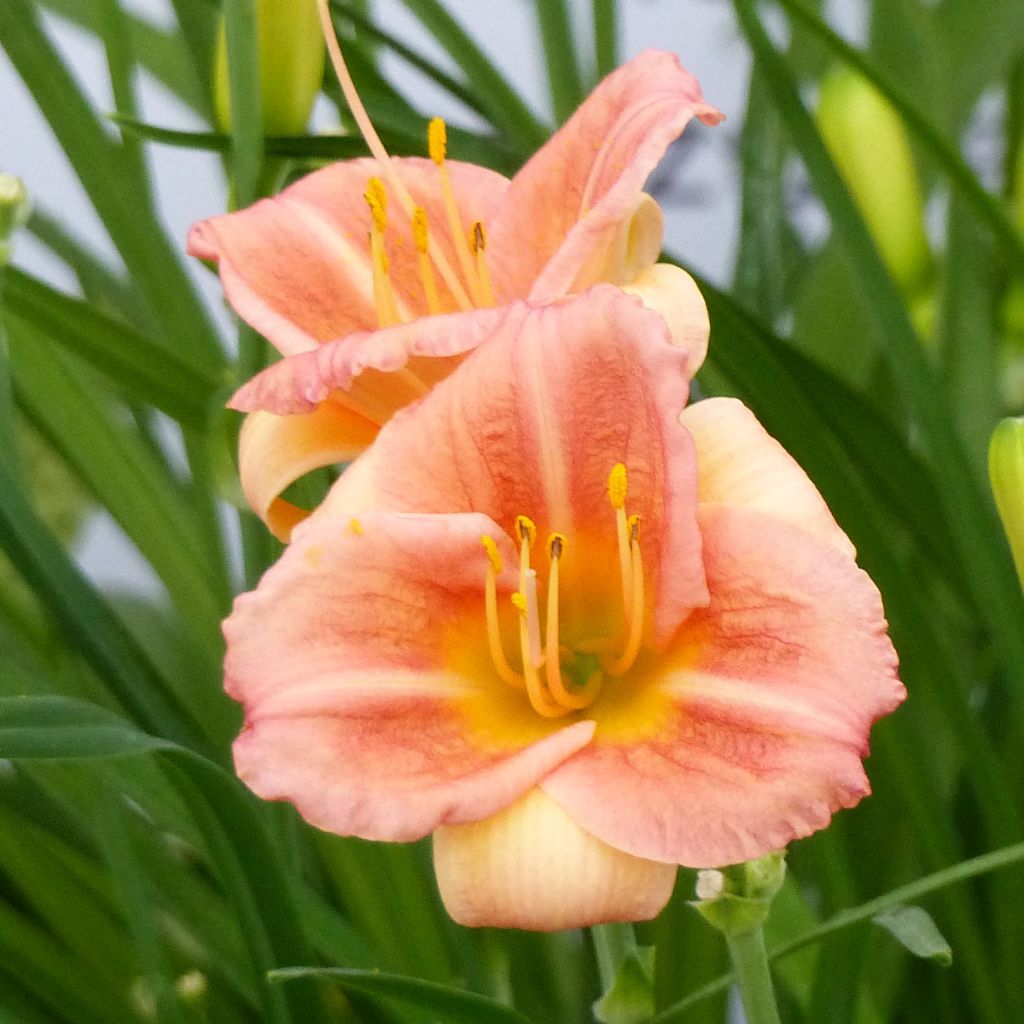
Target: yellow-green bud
column 1006, row 472
column 868, row 141
column 291, row 54
column 14, row 211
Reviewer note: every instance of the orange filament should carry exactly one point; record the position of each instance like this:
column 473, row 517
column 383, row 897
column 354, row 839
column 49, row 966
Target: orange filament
column 479, row 245
column 380, row 154
column 437, row 144
column 617, row 484
column 383, row 292
column 494, row 567
column 421, row 236
column 589, row 662
column 636, row 608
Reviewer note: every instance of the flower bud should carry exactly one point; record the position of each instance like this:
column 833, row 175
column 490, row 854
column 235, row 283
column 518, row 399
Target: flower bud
column 737, row 899
column 1006, row 472
column 14, row 211
column 291, row 54
column 868, row 142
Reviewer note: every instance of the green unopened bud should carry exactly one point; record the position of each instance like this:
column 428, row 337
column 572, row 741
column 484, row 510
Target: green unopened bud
column 737, row 899
column 1006, row 471
column 291, row 54
column 868, row 141
column 14, row 212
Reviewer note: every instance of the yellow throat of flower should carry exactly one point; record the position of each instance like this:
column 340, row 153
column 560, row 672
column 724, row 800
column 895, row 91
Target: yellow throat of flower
column 572, row 676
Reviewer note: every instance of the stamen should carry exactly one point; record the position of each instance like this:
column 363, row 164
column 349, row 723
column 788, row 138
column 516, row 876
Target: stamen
column 552, row 665
column 383, row 293
column 540, row 701
column 636, row 611
column 617, row 497
column 380, row 154
column 501, row 665
column 421, row 236
column 479, row 245
column 437, row 144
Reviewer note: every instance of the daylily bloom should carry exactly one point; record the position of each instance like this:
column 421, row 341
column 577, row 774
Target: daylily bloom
column 581, row 634
column 375, row 243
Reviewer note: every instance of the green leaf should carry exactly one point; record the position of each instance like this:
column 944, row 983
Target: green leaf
column 914, row 929
column 59, row 727
column 121, row 201
column 247, row 860
column 457, row 1005
column 502, row 102
column 994, row 861
column 606, row 36
column 631, row 999
column 246, row 110
column 989, row 572
column 558, row 37
column 163, row 54
column 946, row 156
column 89, row 623
column 147, row 370
column 123, row 475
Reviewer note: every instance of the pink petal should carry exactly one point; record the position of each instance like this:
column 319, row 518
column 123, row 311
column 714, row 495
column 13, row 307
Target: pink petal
column 356, row 707
column 296, row 267
column 533, row 423
column 674, row 294
column 566, row 204
column 274, row 451
column 740, row 463
column 770, row 694
column 375, row 373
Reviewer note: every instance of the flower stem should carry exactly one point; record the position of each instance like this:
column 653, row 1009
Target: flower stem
column 755, row 981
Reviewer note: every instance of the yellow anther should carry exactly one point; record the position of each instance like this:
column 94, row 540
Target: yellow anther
column 617, row 486
column 526, row 528
column 634, row 528
column 492, row 553
column 437, row 140
column 420, row 230
column 377, row 199
column 556, row 544
column 356, row 527
column 478, row 237
column 518, row 602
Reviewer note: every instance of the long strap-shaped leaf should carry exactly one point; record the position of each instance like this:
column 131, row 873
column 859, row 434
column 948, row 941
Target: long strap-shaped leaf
column 90, row 624
column 984, row 203
column 983, row 549
column 248, row 862
column 145, row 369
column 123, row 207
column 124, row 476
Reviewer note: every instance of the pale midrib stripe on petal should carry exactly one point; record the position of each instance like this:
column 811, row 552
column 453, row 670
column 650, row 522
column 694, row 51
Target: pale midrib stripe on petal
column 797, row 713
column 355, row 262
column 327, row 696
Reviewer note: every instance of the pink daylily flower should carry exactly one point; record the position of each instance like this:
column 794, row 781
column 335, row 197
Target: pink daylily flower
column 320, row 270
column 579, row 632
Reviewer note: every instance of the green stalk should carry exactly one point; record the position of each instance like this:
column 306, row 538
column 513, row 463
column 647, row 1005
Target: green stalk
column 750, row 960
